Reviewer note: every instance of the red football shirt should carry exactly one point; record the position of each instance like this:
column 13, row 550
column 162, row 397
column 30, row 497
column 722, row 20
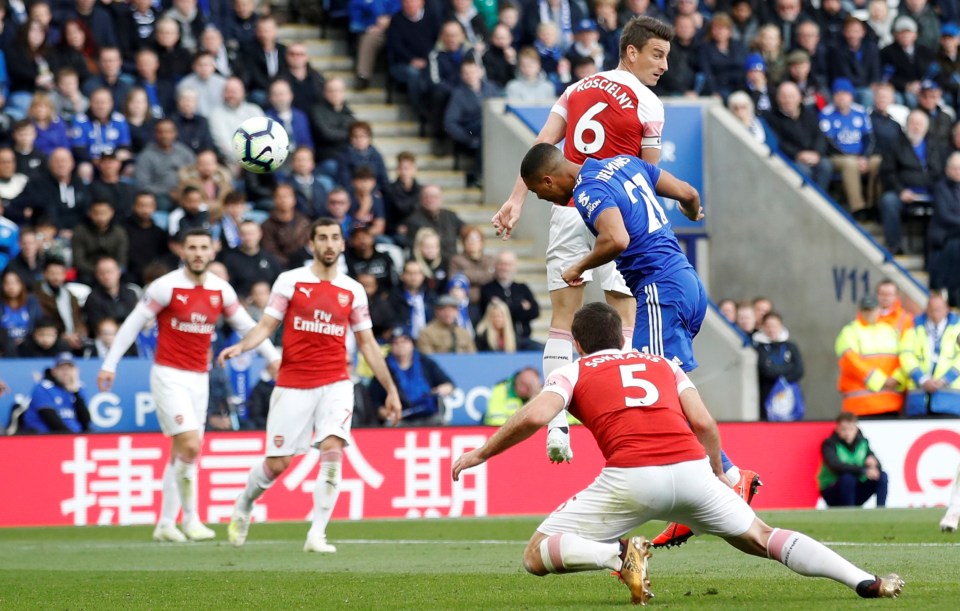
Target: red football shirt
column 630, row 401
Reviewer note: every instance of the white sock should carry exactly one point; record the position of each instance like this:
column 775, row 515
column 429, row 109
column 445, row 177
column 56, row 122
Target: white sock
column 170, row 498
column 259, row 479
column 627, row 339
column 557, row 352
column 733, row 475
column 566, row 553
column 186, row 475
column 326, row 489
column 809, row 557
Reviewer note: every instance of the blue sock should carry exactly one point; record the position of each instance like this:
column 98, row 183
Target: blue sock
column 727, row 463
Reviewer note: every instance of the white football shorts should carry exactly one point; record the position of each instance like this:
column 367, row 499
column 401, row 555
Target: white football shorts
column 620, row 500
column 568, row 241
column 301, row 417
column 181, row 399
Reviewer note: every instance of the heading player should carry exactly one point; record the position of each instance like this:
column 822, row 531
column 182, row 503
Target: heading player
column 312, row 403
column 610, row 113
column 187, row 304
column 662, row 452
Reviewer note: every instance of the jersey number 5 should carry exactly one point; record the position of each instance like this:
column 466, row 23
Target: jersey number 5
column 629, row 379
column 587, row 124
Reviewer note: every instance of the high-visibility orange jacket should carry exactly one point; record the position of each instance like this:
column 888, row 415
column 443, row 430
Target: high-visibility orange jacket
column 869, row 355
column 898, row 318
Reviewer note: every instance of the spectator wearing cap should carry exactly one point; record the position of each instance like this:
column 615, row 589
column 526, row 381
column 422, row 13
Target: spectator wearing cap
column 757, row 86
column 721, row 58
column 856, row 59
column 799, row 136
column 58, row 404
column 930, row 101
column 928, row 24
column 906, row 63
column 851, row 146
column 458, row 287
column 868, row 353
column 812, row 89
column 586, row 43
column 948, row 63
column 443, row 334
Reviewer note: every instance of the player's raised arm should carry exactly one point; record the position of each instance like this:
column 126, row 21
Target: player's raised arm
column 255, row 336
column 670, row 186
column 703, row 426
column 612, row 239
column 370, row 349
column 509, row 213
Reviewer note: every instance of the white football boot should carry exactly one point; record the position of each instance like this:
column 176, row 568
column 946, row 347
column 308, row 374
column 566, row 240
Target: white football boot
column 950, row 520
column 169, row 533
column 317, row 542
column 558, row 445
column 196, row 531
column 238, row 527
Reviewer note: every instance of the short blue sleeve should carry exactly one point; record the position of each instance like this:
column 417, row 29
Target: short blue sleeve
column 653, row 172
column 41, row 398
column 591, row 200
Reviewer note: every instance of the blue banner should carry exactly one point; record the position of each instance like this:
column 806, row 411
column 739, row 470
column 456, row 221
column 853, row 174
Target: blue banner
column 682, row 131
column 129, row 406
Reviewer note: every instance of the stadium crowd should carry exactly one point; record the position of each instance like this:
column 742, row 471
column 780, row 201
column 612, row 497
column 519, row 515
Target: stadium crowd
column 116, row 120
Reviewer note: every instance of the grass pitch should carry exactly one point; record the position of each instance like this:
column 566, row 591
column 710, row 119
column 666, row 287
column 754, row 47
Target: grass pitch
column 456, row 564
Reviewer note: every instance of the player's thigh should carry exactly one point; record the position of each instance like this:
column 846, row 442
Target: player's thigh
column 614, row 504
column 612, row 281
column 568, row 241
column 669, row 315
column 564, row 303
column 290, row 420
column 335, row 414
column 174, row 393
column 707, row 505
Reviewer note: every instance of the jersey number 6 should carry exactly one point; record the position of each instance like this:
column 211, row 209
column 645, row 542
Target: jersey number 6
column 588, row 124
column 629, row 379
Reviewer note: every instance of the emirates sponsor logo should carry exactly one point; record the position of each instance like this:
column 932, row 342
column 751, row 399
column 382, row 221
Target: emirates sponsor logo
column 322, row 324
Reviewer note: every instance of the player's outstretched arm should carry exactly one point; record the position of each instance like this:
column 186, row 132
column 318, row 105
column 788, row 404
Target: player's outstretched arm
column 525, row 422
column 670, row 186
column 126, row 335
column 244, row 323
column 509, row 213
column 612, row 239
column 251, row 339
column 703, row 426
column 370, row 350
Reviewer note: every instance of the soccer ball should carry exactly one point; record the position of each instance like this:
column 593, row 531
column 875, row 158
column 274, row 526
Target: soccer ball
column 261, row 145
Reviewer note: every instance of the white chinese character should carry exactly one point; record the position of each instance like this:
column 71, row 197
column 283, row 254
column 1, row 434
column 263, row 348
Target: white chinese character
column 227, row 463
column 461, row 493
column 297, row 478
column 423, row 473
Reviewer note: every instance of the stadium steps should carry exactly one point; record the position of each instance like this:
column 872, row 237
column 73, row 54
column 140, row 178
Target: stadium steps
column 913, row 263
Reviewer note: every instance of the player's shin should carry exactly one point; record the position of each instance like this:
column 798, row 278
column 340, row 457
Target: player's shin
column 327, row 488
column 628, row 339
column 806, row 556
column 170, row 500
column 259, row 480
column 186, row 476
column 566, row 553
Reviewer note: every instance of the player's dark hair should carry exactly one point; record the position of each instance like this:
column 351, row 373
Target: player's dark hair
column 542, row 159
column 597, row 326
column 323, row 221
column 641, row 30
column 195, row 231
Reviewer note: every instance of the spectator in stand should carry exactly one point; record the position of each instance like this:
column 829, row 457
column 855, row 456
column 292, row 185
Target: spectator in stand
column 67, row 97
column 210, row 177
column 227, row 116
column 777, row 358
column 136, row 26
column 293, row 120
column 761, row 307
column 191, row 21
column 305, row 82
column 382, row 317
column 148, row 242
column 909, row 172
column 431, row 213
column 586, row 43
column 411, row 301
column 500, row 58
column 58, row 304
column 929, row 101
column 402, row 195
column 12, row 182
column 928, row 25
column 59, row 195
column 100, row 130
column 857, row 59
column 746, row 318
column 443, row 334
column 728, row 309
column 770, row 47
column 193, row 213
column 495, row 332
column 161, row 93
column 205, row 81
column 458, row 287
column 159, row 162
column 531, row 84
column 9, row 237
column 463, row 117
column 58, row 403
column 19, row 311
column 422, row 384
column 241, row 23
column 362, row 257
column 360, row 152
column 104, row 336
column 175, row 61
column 799, row 136
column 264, row 60
column 76, row 50
column 756, row 84
column 930, row 358
column 943, row 235
column 367, row 206
column 741, row 105
column 524, row 308
column 227, row 60
column 108, row 297
column 474, row 27
column 442, row 73
column 869, row 364
column 250, row 263
column 338, row 208
column 369, row 22
column 51, row 131
column 286, row 231
column 850, row 139
column 608, row 23
column 721, row 58
column 948, row 64
column 808, row 39
column 788, row 15
column 473, row 262
column 331, row 119
column 43, row 342
column 426, row 251
column 892, row 311
column 905, row 62
column 886, row 117
column 410, row 39
column 745, row 22
column 548, row 46
column 97, row 19
column 227, row 228
column 683, row 78
column 109, row 76
column 192, row 129
column 259, row 188
column 30, row 161
column 27, row 67
column 98, row 236
column 830, row 16
column 140, row 122
column 508, row 396
column 880, row 21
column 27, row 263
column 850, row 472
column 311, row 187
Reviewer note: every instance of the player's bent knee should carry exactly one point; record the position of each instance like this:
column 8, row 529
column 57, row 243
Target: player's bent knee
column 278, row 464
column 532, row 562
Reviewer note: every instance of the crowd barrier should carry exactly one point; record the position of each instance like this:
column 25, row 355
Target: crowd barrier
column 405, row 473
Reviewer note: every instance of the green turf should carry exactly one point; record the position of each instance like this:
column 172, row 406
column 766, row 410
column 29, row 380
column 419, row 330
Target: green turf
column 455, row 564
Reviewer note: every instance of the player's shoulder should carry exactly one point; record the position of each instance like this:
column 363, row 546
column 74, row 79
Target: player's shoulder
column 346, row 282
column 297, row 274
column 215, row 283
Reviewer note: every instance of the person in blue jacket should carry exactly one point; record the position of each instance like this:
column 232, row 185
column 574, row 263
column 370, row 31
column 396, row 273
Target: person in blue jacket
column 58, row 404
